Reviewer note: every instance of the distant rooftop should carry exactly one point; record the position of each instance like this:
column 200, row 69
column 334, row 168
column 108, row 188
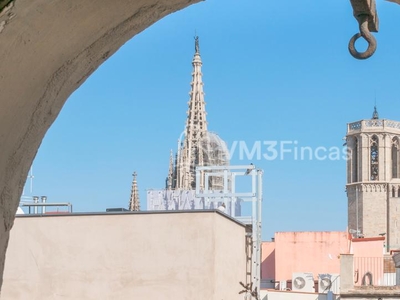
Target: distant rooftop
column 80, row 214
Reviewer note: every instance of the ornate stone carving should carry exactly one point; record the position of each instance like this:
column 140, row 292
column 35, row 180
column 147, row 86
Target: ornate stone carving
column 374, row 187
column 355, row 126
column 373, row 123
column 392, row 124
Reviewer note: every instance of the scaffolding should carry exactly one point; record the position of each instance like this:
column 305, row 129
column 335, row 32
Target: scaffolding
column 230, row 197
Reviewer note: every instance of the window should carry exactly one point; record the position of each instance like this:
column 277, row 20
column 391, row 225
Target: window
column 354, row 160
column 395, row 158
column 374, row 146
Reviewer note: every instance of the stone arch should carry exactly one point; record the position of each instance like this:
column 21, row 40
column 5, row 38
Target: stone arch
column 48, row 49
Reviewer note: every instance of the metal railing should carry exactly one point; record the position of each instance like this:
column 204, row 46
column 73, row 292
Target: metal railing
column 44, row 205
column 373, row 271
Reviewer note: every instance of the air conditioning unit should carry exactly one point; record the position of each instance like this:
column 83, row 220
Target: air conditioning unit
column 282, row 285
column 303, row 282
column 329, row 282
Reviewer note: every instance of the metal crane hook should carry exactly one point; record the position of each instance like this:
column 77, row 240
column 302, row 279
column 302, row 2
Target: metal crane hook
column 366, row 34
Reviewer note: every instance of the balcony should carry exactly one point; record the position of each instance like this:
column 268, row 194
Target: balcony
column 368, row 278
column 374, row 271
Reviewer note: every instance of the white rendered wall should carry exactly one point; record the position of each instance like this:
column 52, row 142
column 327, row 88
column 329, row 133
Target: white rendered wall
column 125, row 256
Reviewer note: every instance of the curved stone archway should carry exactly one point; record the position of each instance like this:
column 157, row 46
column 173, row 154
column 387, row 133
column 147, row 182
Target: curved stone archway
column 47, row 50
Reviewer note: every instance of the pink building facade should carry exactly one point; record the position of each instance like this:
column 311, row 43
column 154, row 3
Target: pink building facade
column 313, row 252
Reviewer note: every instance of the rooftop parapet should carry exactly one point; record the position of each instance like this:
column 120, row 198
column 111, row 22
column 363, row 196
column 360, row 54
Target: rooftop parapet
column 373, row 125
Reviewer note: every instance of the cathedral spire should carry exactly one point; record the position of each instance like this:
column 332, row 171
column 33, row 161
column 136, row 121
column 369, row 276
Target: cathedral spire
column 375, row 115
column 196, row 145
column 196, row 119
column 170, row 171
column 195, row 129
column 134, row 203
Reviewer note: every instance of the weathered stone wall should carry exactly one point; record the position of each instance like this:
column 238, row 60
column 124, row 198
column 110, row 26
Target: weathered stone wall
column 394, row 222
column 47, row 50
column 374, row 214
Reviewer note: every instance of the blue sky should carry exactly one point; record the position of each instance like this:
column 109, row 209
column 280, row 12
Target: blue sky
column 273, row 71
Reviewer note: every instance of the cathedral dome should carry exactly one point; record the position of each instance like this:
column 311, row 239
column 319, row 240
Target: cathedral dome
column 214, row 150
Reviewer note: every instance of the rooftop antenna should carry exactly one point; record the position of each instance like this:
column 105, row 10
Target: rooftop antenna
column 30, row 178
column 27, row 197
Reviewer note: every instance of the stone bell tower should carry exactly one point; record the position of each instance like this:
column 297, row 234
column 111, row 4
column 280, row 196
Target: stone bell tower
column 373, row 179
